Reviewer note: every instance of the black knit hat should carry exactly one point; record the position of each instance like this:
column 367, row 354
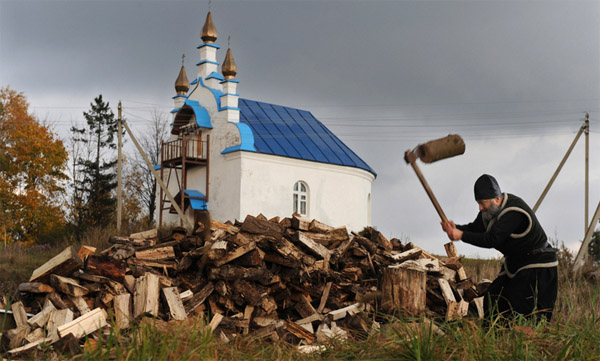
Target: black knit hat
column 486, row 187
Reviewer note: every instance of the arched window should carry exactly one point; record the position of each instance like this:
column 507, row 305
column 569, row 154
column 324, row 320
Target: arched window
column 301, row 198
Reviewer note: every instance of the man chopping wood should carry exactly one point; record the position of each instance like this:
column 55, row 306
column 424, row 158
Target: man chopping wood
column 528, row 280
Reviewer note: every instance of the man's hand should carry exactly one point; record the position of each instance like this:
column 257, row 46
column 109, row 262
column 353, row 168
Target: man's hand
column 453, row 233
column 448, row 226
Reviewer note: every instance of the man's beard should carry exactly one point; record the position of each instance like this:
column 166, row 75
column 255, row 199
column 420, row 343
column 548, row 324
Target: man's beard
column 492, row 212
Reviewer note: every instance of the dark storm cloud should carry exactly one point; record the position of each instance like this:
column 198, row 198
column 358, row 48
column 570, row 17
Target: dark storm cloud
column 514, row 78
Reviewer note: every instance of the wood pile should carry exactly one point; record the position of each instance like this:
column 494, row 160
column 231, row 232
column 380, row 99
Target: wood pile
column 294, row 280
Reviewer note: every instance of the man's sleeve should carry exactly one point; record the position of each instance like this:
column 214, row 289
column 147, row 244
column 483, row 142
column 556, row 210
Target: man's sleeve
column 498, row 234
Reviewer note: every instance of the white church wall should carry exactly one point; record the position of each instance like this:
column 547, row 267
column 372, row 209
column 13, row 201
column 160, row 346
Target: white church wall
column 225, row 195
column 338, row 195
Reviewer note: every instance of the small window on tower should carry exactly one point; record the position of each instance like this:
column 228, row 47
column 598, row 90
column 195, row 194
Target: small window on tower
column 300, row 198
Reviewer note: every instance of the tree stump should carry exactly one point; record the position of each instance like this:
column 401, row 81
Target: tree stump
column 403, row 289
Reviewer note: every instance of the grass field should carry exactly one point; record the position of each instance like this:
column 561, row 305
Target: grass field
column 573, row 334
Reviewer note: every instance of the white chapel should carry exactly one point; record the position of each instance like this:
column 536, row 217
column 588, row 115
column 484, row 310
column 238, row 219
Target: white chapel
column 233, row 156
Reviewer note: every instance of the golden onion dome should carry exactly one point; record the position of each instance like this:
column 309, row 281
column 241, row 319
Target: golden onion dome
column 229, row 68
column 182, row 85
column 209, row 31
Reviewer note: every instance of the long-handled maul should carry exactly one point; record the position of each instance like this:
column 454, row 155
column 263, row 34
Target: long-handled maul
column 430, row 152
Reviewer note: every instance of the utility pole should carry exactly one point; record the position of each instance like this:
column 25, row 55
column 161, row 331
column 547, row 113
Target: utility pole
column 119, row 170
column 587, row 171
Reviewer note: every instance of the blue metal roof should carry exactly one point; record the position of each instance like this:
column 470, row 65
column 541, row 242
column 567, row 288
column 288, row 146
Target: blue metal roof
column 295, row 133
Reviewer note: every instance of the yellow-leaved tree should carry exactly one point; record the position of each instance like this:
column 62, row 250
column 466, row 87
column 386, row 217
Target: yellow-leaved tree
column 32, row 171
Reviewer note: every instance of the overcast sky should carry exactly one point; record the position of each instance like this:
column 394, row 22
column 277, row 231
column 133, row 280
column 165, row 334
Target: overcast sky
column 514, row 78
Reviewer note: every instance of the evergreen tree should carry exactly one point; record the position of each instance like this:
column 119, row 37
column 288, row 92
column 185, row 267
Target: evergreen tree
column 594, row 248
column 95, row 176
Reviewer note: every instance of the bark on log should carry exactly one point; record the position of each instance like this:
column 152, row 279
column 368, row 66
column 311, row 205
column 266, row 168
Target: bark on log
column 35, row 287
column 304, row 308
column 299, row 332
column 365, row 242
column 236, row 253
column 403, row 289
column 319, row 227
column 57, row 300
column 113, row 269
column 341, row 250
column 199, row 298
column 300, row 223
column 311, row 245
column 68, row 286
column 288, row 249
column 257, row 226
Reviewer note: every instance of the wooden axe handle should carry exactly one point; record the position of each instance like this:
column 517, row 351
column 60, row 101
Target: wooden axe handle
column 411, row 158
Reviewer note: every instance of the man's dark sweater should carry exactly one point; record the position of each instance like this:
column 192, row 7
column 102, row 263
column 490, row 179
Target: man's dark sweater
column 515, row 232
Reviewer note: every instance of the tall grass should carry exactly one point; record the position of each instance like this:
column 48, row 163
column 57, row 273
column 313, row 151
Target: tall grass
column 154, row 340
column 573, row 333
column 567, row 337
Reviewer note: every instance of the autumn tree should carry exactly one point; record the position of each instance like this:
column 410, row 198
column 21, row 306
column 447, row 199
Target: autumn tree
column 95, row 169
column 32, row 173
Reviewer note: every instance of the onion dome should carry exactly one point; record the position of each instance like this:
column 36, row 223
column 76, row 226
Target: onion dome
column 229, row 68
column 209, row 31
column 182, row 85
